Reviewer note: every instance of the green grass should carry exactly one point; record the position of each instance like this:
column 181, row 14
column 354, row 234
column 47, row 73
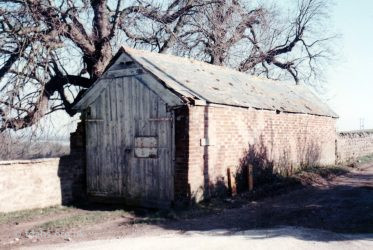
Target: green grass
column 71, row 222
column 365, row 159
column 25, row 215
column 78, row 220
column 74, row 217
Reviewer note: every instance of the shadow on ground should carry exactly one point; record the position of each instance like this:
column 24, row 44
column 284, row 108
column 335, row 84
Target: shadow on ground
column 344, row 205
column 341, row 209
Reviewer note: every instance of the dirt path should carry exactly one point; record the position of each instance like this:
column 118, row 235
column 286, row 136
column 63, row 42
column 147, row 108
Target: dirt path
column 279, row 238
column 342, row 205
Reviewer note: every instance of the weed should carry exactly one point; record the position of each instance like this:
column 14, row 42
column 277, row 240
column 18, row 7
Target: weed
column 325, row 172
column 365, row 159
column 78, row 220
column 25, row 215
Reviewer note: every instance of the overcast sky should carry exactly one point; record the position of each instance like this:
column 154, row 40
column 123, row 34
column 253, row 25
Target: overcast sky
column 350, row 81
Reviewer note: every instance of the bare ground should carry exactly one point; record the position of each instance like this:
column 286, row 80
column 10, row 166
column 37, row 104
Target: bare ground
column 343, row 204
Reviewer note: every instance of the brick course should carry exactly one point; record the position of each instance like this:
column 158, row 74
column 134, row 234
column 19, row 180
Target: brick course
column 284, row 139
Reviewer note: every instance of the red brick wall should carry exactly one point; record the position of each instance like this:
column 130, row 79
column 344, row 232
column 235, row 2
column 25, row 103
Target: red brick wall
column 234, row 134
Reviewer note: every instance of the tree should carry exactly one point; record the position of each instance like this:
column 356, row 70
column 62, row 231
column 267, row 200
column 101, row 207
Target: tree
column 51, row 51
column 257, row 39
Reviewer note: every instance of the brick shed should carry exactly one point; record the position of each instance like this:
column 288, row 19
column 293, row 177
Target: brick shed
column 161, row 128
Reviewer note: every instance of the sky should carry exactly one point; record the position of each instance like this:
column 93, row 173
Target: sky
column 349, row 80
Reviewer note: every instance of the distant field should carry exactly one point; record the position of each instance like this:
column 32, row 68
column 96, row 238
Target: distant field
column 24, row 149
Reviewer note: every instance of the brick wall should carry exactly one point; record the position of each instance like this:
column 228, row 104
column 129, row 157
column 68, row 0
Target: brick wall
column 351, row 145
column 44, row 182
column 236, row 136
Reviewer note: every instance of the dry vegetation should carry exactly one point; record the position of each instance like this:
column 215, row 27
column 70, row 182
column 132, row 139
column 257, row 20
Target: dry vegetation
column 13, row 148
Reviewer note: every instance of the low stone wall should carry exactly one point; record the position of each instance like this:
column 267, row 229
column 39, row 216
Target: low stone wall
column 44, row 182
column 353, row 144
column 29, row 184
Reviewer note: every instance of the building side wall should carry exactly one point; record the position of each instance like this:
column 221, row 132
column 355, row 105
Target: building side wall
column 229, row 137
column 354, row 144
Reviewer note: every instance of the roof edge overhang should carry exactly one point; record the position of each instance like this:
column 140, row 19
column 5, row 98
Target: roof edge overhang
column 85, row 100
column 81, row 104
column 185, row 98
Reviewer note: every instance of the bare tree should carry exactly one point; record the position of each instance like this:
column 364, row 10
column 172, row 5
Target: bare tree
column 39, row 40
column 52, row 51
column 259, row 39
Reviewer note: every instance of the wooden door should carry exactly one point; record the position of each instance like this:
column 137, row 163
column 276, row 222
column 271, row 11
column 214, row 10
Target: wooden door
column 130, row 145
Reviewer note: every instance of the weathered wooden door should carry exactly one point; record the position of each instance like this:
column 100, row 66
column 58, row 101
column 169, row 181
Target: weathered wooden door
column 130, row 145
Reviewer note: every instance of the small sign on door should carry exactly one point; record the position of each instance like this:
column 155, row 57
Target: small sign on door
column 146, row 147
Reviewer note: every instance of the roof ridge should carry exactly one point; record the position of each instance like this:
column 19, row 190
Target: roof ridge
column 192, row 60
column 227, row 86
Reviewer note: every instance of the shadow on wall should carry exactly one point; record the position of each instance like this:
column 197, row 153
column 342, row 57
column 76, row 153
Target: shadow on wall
column 263, row 168
column 267, row 170
column 71, row 169
column 309, row 152
column 181, row 180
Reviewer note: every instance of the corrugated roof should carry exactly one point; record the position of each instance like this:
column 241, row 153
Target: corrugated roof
column 220, row 85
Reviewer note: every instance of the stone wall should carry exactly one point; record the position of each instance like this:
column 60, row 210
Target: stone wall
column 44, row 182
column 29, row 184
column 222, row 137
column 354, row 144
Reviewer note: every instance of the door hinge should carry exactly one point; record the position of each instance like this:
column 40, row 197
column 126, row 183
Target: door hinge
column 161, row 119
column 94, row 120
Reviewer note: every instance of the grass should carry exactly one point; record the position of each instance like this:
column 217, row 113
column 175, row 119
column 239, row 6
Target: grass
column 26, row 215
column 365, row 159
column 74, row 217
column 79, row 220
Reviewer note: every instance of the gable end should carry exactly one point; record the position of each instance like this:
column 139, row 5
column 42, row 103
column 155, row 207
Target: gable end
column 123, row 66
